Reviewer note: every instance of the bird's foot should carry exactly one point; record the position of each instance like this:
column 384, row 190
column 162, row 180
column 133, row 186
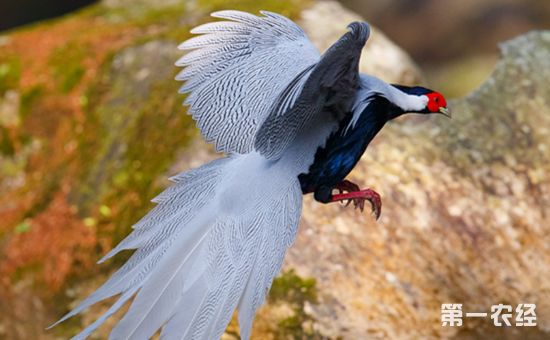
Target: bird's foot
column 348, row 186
column 358, row 197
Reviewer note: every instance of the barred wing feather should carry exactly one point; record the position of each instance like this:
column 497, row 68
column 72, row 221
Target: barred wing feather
column 238, row 70
column 331, row 85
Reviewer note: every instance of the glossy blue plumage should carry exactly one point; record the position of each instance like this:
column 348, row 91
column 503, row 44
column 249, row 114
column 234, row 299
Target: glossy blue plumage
column 343, row 149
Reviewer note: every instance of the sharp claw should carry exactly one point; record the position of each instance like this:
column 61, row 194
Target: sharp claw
column 373, row 206
column 360, row 198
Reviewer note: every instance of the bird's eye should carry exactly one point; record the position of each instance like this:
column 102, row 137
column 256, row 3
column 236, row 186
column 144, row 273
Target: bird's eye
column 436, row 99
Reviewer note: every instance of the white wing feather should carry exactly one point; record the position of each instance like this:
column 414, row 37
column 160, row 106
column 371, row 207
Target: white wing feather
column 239, row 71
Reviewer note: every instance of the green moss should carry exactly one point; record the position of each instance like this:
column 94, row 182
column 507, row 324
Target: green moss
column 289, row 8
column 162, row 128
column 22, row 228
column 6, row 145
column 10, row 73
column 72, row 77
column 161, row 15
column 176, row 21
column 4, row 70
column 292, row 289
column 27, row 99
column 69, row 327
column 12, row 166
column 50, row 185
column 131, row 135
column 67, row 64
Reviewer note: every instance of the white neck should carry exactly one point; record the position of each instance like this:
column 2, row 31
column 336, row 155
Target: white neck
column 371, row 86
column 407, row 102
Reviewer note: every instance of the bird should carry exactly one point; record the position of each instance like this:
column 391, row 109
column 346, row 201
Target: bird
column 291, row 122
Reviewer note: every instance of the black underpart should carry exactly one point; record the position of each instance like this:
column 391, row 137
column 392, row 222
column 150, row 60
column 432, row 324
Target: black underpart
column 342, row 151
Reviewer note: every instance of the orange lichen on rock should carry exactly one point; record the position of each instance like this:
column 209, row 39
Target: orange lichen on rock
column 46, row 136
column 52, row 242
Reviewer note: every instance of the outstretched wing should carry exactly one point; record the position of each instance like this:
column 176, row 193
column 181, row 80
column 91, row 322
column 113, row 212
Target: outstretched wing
column 331, row 86
column 239, row 70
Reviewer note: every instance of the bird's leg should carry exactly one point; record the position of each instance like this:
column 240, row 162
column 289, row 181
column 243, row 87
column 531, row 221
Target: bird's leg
column 358, row 197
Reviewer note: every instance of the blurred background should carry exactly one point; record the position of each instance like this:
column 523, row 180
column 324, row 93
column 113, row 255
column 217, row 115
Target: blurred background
column 91, row 127
column 445, row 37
column 455, row 42
column 19, row 13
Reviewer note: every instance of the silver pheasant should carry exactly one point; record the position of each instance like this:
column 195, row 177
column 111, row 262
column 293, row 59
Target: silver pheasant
column 291, row 122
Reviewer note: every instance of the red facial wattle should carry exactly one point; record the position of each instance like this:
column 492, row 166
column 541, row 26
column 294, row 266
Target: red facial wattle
column 435, row 102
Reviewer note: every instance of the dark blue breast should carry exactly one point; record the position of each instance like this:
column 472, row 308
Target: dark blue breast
column 343, row 149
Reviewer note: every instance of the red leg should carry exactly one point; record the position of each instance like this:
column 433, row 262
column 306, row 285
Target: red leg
column 345, row 185
column 359, row 198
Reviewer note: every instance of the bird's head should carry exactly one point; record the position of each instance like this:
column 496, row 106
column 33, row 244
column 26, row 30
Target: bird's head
column 437, row 104
column 425, row 100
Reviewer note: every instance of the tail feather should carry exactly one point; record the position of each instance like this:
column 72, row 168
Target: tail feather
column 243, row 260
column 121, row 301
column 257, row 287
column 270, row 258
column 208, row 316
column 154, row 242
column 184, row 312
column 160, row 293
column 182, row 200
column 213, row 244
column 246, row 310
column 120, row 282
column 229, row 260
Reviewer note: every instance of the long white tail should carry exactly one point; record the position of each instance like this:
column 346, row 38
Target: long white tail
column 215, row 242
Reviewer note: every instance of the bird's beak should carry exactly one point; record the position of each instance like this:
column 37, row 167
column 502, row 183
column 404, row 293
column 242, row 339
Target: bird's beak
column 445, row 111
